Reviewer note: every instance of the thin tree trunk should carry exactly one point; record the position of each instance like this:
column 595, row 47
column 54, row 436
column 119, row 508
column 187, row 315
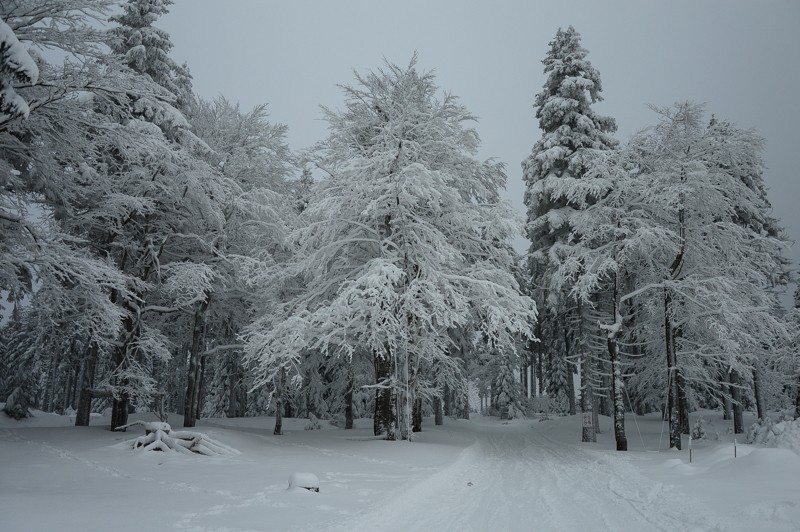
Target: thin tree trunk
column 672, row 379
column 119, row 403
column 797, row 402
column 683, row 404
column 280, row 390
column 758, row 385
column 736, row 392
column 727, row 409
column 616, row 374
column 539, row 372
column 438, row 418
column 193, row 367
column 198, row 411
column 570, row 380
column 348, row 398
column 416, row 416
column 233, row 380
column 464, row 410
column 524, row 374
column 571, row 390
column 587, row 432
column 382, row 418
column 448, row 401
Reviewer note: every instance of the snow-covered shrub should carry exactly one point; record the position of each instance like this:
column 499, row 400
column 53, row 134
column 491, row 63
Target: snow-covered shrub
column 17, row 405
column 547, row 406
column 698, row 431
column 784, row 434
column 313, row 423
column 339, row 421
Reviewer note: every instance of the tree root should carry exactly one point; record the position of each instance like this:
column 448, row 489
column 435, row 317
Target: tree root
column 159, row 436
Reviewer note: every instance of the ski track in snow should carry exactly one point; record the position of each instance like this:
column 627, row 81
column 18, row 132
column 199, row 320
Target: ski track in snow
column 522, row 480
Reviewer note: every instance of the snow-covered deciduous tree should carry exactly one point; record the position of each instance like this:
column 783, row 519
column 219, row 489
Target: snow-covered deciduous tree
column 405, row 240
column 555, row 174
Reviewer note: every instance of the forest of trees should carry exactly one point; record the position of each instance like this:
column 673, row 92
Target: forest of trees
column 161, row 252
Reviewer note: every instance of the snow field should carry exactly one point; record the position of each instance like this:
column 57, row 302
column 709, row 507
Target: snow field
column 482, row 474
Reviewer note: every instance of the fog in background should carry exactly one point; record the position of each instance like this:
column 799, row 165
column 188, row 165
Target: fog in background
column 739, row 57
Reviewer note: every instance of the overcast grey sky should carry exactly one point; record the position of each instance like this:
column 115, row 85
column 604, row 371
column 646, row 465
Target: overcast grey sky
column 741, row 58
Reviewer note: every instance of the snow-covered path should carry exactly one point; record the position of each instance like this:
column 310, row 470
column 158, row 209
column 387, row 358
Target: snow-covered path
column 516, row 478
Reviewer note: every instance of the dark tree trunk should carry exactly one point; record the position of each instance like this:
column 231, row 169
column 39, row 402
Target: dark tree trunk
column 119, row 412
column 89, row 368
column 617, row 385
column 570, row 380
column 571, row 390
column 736, row 392
column 416, row 416
column 727, row 410
column 288, row 410
column 193, row 367
column 539, row 371
column 85, row 405
column 683, row 404
column 758, row 385
column 383, row 417
column 673, row 414
column 797, row 402
column 604, row 401
column 84, row 409
column 587, row 403
column 280, row 391
column 201, row 388
column 121, row 402
column 233, row 383
column 438, row 418
column 524, row 374
column 448, row 401
column 348, row 398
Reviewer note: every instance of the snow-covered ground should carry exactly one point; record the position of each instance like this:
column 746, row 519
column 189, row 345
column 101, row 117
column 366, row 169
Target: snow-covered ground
column 481, row 474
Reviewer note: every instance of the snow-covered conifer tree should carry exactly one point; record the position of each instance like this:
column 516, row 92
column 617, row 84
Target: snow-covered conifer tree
column 555, row 174
column 16, row 66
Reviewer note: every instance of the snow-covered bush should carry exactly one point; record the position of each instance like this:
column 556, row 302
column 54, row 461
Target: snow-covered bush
column 17, row 405
column 784, row 434
column 313, row 423
column 698, row 431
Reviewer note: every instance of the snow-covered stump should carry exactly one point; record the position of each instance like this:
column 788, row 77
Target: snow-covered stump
column 159, row 436
column 307, row 481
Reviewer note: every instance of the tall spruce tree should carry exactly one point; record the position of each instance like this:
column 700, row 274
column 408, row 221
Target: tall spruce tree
column 555, row 174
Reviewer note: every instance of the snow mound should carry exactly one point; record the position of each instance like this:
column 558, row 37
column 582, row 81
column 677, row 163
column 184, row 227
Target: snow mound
column 307, row 481
column 785, row 434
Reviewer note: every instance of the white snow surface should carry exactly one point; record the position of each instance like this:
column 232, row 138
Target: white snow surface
column 481, row 474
